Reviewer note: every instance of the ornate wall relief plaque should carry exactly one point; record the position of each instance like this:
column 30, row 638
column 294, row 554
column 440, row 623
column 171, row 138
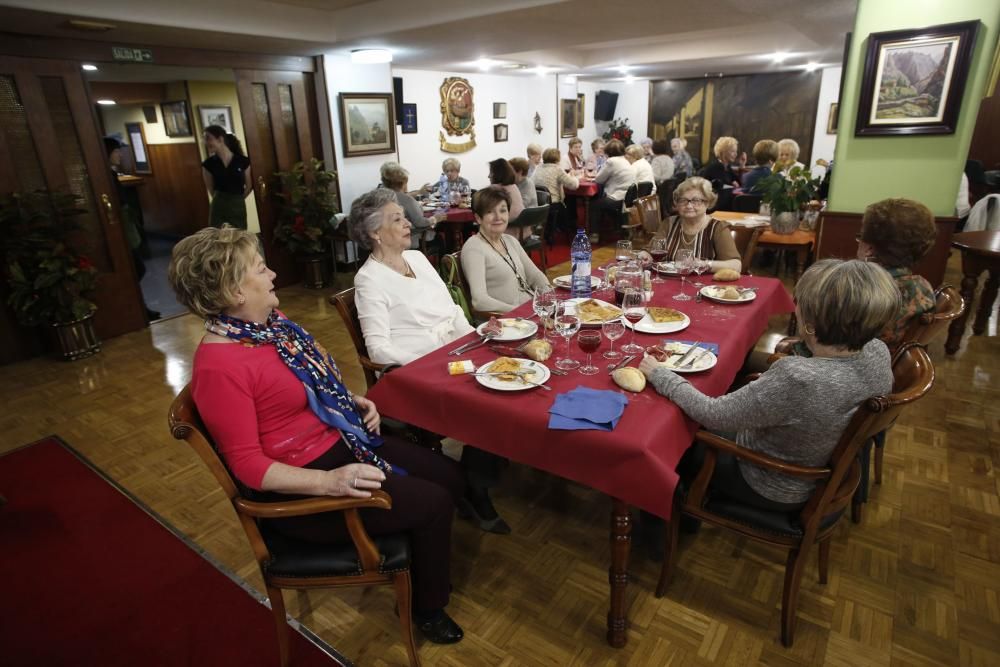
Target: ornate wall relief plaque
column 457, row 117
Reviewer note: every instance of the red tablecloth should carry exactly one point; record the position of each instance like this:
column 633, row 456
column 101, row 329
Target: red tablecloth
column 585, row 189
column 636, row 462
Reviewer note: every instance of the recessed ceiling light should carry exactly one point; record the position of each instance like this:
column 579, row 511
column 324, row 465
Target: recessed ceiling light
column 542, row 70
column 513, row 66
column 629, row 79
column 779, row 56
column 106, row 103
column 624, row 69
column 811, row 66
column 370, row 56
column 485, row 64
column 89, row 68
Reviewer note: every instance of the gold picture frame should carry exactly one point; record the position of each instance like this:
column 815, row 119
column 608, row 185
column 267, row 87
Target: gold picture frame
column 580, row 108
column 831, row 122
column 568, row 116
column 458, row 117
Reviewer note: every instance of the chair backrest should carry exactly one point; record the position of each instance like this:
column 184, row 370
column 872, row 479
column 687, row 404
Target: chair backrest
column 649, row 206
column 644, row 188
column 913, row 376
column 747, row 203
column 533, row 217
column 631, row 195
column 949, row 305
column 544, row 196
column 745, row 239
column 344, row 303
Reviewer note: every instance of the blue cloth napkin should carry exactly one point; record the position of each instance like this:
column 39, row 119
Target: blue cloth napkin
column 587, row 409
column 711, row 347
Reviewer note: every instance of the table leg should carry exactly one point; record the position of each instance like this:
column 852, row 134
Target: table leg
column 986, row 300
column 584, row 206
column 801, row 255
column 621, row 543
column 957, row 328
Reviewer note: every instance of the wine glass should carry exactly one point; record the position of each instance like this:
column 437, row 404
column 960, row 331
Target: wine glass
column 544, row 302
column 623, row 251
column 566, row 325
column 589, row 341
column 634, row 307
column 613, row 330
column 700, row 267
column 658, row 251
column 683, row 260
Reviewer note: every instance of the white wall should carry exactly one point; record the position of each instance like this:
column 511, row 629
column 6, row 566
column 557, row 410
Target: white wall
column 633, row 103
column 823, row 143
column 524, row 94
column 357, row 175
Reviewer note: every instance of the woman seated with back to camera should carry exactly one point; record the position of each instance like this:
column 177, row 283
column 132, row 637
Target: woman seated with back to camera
column 405, row 312
column 617, row 176
column 765, row 154
column 643, row 170
column 797, row 410
column 284, row 423
column 525, row 184
column 895, row 234
column 694, row 229
column 500, row 274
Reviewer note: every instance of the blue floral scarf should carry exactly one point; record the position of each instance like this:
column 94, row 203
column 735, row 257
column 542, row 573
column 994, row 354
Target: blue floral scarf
column 316, row 369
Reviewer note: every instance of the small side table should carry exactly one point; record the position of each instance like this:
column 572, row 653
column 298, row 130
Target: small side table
column 800, row 241
column 980, row 252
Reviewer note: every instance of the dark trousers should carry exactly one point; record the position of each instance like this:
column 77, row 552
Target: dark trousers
column 423, row 502
column 602, row 207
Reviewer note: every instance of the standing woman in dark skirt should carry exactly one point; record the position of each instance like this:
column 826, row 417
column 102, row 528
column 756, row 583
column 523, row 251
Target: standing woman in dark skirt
column 227, row 177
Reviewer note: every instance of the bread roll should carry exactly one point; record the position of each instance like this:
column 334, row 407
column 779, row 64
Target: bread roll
column 731, row 293
column 726, row 275
column 539, row 350
column 629, row 379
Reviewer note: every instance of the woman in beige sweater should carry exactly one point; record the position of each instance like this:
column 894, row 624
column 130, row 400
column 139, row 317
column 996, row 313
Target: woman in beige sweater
column 500, row 274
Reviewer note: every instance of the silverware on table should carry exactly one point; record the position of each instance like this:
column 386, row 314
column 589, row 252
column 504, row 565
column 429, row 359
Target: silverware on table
column 693, row 360
column 687, row 355
column 624, row 362
column 473, row 344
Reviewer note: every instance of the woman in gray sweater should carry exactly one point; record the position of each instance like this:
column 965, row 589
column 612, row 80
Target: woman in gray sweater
column 798, row 409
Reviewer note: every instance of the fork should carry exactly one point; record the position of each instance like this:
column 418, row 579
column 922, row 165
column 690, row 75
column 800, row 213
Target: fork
column 474, row 344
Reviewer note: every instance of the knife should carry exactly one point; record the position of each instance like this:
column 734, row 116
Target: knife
column 507, row 350
column 623, row 362
column 687, row 355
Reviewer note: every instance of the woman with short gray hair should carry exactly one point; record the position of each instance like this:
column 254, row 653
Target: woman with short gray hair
column 396, row 178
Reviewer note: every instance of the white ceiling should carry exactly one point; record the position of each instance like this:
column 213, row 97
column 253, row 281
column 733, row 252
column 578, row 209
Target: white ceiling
column 591, row 38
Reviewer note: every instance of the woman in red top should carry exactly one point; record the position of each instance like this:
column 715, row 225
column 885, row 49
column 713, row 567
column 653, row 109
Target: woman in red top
column 283, row 421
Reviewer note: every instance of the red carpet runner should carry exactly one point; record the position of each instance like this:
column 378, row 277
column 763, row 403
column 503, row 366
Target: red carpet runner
column 91, row 579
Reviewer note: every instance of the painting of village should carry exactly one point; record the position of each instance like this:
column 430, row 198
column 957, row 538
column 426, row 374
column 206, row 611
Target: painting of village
column 913, row 81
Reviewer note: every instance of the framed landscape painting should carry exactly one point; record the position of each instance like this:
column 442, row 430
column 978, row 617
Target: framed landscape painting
column 367, row 124
column 176, row 121
column 216, row 114
column 914, row 80
column 567, row 110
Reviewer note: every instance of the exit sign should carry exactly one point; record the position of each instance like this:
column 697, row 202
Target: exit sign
column 128, row 54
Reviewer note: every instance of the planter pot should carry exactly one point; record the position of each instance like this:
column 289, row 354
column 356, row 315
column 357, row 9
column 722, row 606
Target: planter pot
column 785, row 223
column 314, row 271
column 74, row 340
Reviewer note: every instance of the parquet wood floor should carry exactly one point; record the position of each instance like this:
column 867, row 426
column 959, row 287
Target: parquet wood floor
column 918, row 583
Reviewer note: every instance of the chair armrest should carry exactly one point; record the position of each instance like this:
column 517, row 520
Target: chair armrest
column 763, row 460
column 378, row 368
column 484, row 315
column 315, row 505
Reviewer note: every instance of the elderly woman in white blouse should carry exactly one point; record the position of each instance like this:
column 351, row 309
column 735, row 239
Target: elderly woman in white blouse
column 405, row 312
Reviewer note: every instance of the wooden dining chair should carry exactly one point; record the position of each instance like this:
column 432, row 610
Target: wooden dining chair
column 651, row 213
column 913, row 375
column 458, row 278
column 745, row 239
column 344, row 303
column 295, row 564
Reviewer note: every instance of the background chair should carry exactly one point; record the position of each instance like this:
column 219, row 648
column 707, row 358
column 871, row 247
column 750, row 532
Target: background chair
column 544, row 196
column 533, row 218
column 644, row 189
column 288, row 563
column 745, row 239
column 913, row 375
column 454, row 259
column 344, row 303
column 747, row 203
column 665, row 191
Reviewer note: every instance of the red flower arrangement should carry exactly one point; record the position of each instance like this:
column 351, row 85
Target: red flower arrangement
column 307, row 207
column 619, row 129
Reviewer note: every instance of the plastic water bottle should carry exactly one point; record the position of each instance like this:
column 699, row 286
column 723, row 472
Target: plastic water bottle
column 580, row 255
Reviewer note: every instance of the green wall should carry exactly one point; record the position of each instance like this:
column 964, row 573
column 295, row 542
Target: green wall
column 927, row 168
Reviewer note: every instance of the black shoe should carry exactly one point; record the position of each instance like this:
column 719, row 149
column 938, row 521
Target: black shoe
column 152, row 315
column 477, row 505
column 440, row 629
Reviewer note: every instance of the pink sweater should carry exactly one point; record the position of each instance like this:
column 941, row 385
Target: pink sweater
column 256, row 410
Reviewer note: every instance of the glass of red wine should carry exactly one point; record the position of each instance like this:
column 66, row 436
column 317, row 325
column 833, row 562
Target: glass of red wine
column 658, row 251
column 589, row 341
column 634, row 307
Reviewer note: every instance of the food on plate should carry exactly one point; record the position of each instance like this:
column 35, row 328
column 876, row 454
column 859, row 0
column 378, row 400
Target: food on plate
column 461, row 367
column 731, row 293
column 663, row 315
column 514, row 323
column 494, row 326
column 629, row 379
column 726, row 275
column 539, row 350
column 510, row 369
column 591, row 311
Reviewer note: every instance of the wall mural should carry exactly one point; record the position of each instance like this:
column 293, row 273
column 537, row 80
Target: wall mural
column 457, row 115
column 749, row 108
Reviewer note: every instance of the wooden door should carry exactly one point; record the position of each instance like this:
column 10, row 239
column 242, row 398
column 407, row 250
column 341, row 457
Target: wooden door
column 49, row 139
column 281, row 126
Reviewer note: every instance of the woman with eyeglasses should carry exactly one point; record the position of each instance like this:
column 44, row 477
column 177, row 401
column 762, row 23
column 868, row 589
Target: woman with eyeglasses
column 500, row 274
column 695, row 230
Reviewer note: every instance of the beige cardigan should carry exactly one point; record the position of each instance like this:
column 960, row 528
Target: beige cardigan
column 492, row 284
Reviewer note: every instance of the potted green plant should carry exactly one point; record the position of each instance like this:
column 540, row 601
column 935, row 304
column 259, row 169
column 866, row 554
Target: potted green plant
column 305, row 221
column 50, row 283
column 786, row 196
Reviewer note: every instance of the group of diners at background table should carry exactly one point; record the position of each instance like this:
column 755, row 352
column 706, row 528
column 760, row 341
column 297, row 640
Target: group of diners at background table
column 284, row 422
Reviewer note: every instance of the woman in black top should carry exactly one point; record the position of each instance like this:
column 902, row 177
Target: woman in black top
column 227, row 177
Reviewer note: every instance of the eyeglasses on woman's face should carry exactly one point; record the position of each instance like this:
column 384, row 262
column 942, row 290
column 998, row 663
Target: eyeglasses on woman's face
column 696, row 202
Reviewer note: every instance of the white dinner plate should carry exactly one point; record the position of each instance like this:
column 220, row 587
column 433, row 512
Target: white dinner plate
column 666, row 268
column 512, row 329
column 713, row 291
column 647, row 325
column 541, row 376
column 573, row 303
column 703, row 360
column 564, row 282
